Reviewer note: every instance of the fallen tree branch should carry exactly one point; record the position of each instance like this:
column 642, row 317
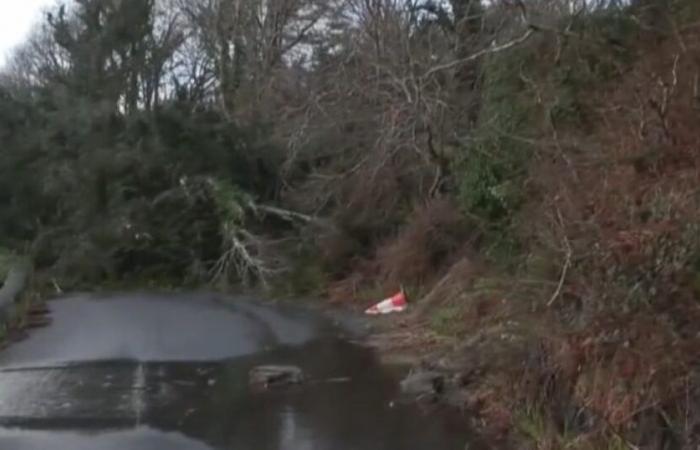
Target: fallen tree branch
column 238, row 255
column 565, row 268
column 284, row 214
column 564, row 273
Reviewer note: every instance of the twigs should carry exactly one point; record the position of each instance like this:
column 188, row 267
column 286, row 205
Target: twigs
column 240, row 258
column 567, row 263
column 668, row 91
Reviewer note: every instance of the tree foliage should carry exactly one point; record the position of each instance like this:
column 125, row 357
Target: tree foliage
column 127, row 122
column 106, row 164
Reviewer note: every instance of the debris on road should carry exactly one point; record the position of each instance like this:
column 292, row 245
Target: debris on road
column 275, row 376
column 395, row 304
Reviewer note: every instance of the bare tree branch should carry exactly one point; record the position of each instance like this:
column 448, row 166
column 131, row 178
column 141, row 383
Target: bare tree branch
column 493, row 49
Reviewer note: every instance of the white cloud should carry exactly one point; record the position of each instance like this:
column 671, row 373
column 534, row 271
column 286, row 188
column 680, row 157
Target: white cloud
column 16, row 20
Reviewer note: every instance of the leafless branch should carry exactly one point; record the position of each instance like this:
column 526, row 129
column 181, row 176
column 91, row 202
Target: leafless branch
column 565, row 267
column 491, row 50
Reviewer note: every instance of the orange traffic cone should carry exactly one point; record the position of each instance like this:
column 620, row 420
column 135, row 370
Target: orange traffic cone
column 397, row 303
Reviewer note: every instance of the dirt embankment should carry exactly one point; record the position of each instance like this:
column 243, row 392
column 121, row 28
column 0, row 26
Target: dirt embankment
column 590, row 341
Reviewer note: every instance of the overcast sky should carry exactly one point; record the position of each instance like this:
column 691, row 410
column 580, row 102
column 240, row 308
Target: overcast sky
column 15, row 21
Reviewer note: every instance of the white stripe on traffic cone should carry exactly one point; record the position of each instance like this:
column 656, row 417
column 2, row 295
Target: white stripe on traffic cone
column 397, row 303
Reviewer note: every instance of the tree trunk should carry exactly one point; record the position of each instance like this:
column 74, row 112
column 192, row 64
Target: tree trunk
column 468, row 16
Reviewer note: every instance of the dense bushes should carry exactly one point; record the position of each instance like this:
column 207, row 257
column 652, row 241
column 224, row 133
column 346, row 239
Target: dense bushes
column 123, row 198
column 601, row 309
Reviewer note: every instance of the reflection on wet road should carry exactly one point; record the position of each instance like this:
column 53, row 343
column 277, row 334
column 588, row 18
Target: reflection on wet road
column 137, row 438
column 171, row 373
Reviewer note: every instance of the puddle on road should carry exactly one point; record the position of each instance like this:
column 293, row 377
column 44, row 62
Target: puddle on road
column 198, row 406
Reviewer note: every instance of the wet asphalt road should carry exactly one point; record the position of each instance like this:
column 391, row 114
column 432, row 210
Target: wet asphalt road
column 156, row 372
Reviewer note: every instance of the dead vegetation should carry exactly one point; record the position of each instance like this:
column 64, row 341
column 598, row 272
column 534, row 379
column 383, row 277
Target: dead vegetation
column 590, row 339
column 614, row 363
